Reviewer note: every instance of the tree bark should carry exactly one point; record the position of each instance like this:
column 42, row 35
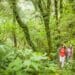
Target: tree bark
column 45, row 13
column 14, row 38
column 56, row 11
column 61, row 8
column 23, row 26
column 14, row 31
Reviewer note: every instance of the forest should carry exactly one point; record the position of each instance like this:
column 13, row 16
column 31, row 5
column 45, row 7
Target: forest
column 31, row 33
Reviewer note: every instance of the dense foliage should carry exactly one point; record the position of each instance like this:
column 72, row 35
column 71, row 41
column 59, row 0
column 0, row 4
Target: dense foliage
column 27, row 62
column 31, row 31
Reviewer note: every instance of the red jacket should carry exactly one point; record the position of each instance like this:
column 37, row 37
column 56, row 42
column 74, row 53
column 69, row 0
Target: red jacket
column 62, row 52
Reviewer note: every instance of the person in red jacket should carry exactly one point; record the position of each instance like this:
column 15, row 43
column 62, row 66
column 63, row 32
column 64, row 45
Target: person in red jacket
column 62, row 55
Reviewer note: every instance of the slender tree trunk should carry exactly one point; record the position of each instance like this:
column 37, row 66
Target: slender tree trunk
column 47, row 28
column 14, row 38
column 46, row 18
column 14, row 31
column 57, row 19
column 61, row 8
column 56, row 11
column 23, row 26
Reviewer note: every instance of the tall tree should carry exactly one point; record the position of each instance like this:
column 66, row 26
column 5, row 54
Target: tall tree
column 22, row 25
column 58, row 15
column 57, row 20
column 44, row 7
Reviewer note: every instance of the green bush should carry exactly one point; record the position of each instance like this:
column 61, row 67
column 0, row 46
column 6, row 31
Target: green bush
column 69, row 68
column 26, row 62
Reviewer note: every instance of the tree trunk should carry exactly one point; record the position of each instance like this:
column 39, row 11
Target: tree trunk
column 57, row 20
column 13, row 31
column 56, row 11
column 23, row 26
column 14, row 38
column 46, row 17
column 61, row 8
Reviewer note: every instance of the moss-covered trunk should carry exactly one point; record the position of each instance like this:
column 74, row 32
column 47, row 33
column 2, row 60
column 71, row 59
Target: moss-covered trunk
column 22, row 25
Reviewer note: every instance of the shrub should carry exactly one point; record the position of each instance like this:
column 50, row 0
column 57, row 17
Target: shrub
column 26, row 62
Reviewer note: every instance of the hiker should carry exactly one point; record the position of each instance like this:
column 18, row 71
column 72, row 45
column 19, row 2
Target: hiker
column 62, row 55
column 69, row 53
